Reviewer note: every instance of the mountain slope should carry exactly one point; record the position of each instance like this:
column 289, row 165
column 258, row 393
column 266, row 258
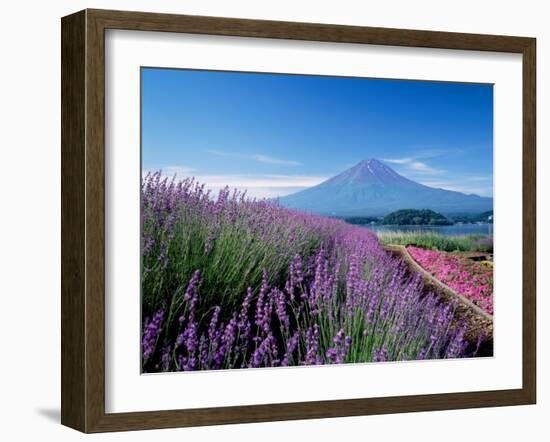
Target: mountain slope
column 372, row 188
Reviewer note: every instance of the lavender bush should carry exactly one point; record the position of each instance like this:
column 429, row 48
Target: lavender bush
column 231, row 282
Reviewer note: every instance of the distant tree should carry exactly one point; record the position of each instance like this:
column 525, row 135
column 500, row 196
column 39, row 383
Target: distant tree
column 416, row 217
column 485, row 217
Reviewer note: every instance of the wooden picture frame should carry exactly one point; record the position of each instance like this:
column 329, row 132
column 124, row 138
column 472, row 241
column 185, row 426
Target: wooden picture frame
column 83, row 220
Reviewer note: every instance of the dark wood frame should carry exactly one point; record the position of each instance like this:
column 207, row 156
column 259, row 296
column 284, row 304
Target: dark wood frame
column 83, row 217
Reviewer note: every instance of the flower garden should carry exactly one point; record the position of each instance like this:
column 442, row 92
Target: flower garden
column 470, row 279
column 230, row 282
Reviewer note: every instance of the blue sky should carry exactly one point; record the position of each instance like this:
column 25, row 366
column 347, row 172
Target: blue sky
column 274, row 134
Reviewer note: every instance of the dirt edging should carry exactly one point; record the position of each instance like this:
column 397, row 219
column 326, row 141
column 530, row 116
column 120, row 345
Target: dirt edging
column 480, row 323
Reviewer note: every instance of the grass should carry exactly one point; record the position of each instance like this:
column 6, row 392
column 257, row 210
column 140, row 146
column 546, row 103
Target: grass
column 436, row 241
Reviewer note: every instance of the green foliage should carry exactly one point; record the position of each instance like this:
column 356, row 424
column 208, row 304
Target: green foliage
column 229, row 254
column 436, row 241
column 416, row 217
column 485, row 217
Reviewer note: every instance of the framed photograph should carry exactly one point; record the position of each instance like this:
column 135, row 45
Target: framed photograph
column 267, row 220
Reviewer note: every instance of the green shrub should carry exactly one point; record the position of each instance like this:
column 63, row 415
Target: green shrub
column 436, row 241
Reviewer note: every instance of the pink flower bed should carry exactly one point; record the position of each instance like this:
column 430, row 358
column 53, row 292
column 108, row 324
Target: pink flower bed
column 470, row 279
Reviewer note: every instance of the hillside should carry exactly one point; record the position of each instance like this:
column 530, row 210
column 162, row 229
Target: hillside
column 416, row 217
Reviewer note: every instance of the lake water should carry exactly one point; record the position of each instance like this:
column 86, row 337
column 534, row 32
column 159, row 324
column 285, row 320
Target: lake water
column 453, row 230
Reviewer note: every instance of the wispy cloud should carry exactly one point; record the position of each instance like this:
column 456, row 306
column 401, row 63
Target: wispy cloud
column 424, row 154
column 478, row 185
column 397, row 160
column 419, row 166
column 416, row 163
column 261, row 158
column 261, row 186
column 256, row 186
column 271, row 160
column 421, row 171
column 412, row 164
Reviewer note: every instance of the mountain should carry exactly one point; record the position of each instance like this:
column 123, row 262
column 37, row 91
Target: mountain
column 372, row 188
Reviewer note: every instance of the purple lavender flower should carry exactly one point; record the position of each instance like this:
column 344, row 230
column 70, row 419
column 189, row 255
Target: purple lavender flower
column 192, row 286
column 290, row 348
column 280, row 303
column 260, row 317
column 212, row 329
column 151, row 331
column 312, row 346
column 279, row 279
column 166, row 359
column 337, row 353
column 261, row 354
column 381, row 354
